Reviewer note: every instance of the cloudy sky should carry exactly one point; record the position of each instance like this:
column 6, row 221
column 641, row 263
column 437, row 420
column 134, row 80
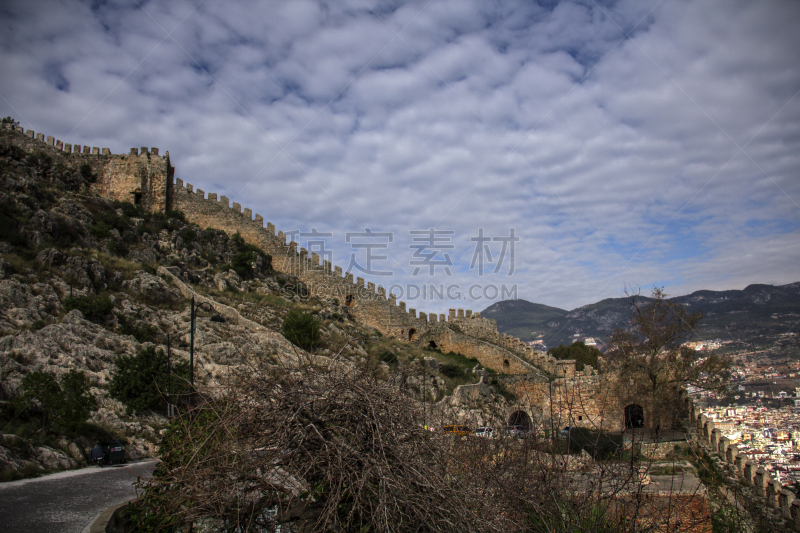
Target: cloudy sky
column 630, row 143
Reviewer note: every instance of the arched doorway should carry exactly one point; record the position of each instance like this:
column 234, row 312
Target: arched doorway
column 520, row 418
column 505, row 363
column 349, row 300
column 634, row 416
column 432, row 344
column 411, row 334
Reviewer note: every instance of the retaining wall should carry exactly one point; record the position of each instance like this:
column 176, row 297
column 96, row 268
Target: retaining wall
column 772, row 492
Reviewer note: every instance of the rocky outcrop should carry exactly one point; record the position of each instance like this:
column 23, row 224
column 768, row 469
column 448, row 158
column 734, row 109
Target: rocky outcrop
column 151, row 289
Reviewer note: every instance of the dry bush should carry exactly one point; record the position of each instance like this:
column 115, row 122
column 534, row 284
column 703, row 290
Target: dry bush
column 337, row 448
column 324, row 450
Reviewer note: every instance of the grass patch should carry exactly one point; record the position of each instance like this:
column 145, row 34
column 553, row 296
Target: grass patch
column 128, row 268
column 21, row 265
column 94, row 308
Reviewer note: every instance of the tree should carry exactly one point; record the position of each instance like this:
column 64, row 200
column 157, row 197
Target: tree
column 141, row 381
column 582, row 354
column 66, row 404
column 651, row 361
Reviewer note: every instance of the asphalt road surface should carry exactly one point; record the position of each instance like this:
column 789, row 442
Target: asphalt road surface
column 67, row 502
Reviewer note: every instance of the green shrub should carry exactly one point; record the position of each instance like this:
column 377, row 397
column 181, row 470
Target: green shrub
column 153, row 223
column 87, row 174
column 141, row 331
column 242, row 263
column 388, row 356
column 188, row 234
column 582, row 354
column 301, row 329
column 141, row 381
column 9, row 228
column 94, row 308
column 100, row 230
column 108, row 219
column 451, row 370
column 128, row 209
column 177, row 214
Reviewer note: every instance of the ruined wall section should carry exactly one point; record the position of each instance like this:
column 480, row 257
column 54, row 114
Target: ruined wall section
column 562, row 368
column 129, row 177
column 474, row 325
column 580, row 402
column 489, row 355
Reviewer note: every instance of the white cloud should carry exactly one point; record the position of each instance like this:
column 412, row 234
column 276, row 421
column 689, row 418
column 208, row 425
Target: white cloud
column 643, row 143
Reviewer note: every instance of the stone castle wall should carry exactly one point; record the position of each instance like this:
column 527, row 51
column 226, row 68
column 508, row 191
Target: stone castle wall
column 576, row 402
column 139, row 178
column 464, row 332
column 147, row 178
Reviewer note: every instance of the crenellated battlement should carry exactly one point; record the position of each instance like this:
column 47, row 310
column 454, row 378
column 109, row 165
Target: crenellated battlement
column 65, row 148
column 370, row 303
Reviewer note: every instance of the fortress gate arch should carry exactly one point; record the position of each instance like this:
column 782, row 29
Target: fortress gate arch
column 520, row 418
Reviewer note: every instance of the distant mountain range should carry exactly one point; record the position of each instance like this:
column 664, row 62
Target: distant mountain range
column 757, row 314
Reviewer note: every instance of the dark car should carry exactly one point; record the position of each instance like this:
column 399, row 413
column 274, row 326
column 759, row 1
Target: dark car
column 113, row 452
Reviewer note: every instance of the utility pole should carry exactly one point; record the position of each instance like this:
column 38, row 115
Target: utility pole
column 191, row 352
column 169, row 378
column 424, row 404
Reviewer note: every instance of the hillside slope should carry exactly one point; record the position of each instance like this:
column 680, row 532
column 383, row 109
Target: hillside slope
column 84, row 280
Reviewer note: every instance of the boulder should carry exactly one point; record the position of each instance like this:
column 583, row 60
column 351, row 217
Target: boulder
column 52, row 459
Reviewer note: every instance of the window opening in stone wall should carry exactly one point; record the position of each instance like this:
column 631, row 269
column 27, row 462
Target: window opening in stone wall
column 634, row 416
column 505, row 363
column 137, row 198
column 432, row 344
column 349, row 301
column 411, row 334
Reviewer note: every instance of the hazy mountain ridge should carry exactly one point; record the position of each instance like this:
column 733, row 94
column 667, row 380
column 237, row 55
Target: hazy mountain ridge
column 758, row 311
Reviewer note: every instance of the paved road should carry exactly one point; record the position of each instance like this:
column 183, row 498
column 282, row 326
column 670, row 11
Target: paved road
column 67, row 502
